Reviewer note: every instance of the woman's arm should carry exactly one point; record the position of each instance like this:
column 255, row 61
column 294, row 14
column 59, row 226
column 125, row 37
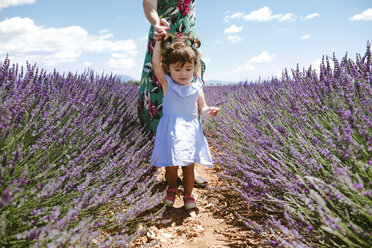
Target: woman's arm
column 150, row 9
column 158, row 66
column 151, row 13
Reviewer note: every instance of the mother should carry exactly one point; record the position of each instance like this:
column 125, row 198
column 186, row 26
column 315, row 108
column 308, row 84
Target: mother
column 174, row 16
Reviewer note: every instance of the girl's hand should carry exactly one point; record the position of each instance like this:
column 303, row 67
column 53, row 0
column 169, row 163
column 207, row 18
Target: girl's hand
column 158, row 36
column 161, row 29
column 209, row 111
column 213, row 111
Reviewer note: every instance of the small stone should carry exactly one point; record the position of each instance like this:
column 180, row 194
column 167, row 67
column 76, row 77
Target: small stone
column 200, row 228
column 210, row 205
column 167, row 235
column 154, row 228
column 150, row 234
column 182, row 241
column 193, row 214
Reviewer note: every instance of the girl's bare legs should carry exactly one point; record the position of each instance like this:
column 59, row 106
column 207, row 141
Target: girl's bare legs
column 171, row 176
column 188, row 179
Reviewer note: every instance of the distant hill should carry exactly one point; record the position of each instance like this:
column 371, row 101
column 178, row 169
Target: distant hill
column 219, row 82
column 126, row 78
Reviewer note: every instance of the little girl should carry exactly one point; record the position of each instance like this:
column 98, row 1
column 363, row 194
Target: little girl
column 179, row 137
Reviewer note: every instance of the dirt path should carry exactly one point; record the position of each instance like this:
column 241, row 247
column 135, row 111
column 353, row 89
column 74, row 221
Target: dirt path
column 212, row 224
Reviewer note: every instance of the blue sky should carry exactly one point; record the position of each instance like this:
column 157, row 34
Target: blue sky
column 241, row 40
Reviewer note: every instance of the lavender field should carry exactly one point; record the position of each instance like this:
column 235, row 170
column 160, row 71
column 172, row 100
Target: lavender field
column 300, row 148
column 74, row 160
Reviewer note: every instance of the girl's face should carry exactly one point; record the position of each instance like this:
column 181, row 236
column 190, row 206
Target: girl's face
column 182, row 74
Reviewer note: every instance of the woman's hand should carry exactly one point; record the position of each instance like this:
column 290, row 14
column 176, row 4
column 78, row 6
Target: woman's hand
column 160, row 29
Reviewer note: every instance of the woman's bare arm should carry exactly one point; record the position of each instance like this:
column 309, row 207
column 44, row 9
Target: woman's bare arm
column 151, row 13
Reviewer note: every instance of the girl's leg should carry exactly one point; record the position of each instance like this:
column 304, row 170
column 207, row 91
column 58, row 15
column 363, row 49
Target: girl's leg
column 171, row 176
column 188, row 179
column 188, row 185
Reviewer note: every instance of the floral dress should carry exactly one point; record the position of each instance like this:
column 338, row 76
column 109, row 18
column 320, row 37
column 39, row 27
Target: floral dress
column 180, row 15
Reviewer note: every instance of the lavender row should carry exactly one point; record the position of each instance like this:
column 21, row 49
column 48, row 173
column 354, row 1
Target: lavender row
column 73, row 160
column 300, row 147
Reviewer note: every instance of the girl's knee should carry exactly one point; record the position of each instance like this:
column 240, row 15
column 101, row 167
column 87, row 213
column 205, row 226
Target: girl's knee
column 189, row 168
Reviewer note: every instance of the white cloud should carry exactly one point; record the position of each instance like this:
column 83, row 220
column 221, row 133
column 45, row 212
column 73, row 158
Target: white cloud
column 305, row 37
column 143, row 38
column 105, row 34
column 246, row 67
column 22, row 39
column 289, row 17
column 315, row 65
column 104, row 31
column 263, row 57
column 233, row 29
column 262, row 15
column 265, row 15
column 364, row 16
column 119, row 62
column 236, row 15
column 234, row 38
column 207, row 60
column 7, row 3
column 311, row 16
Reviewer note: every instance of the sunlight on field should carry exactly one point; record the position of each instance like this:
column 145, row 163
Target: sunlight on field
column 299, row 146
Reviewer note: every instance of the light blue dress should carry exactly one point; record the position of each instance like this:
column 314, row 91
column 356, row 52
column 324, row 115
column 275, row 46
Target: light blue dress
column 179, row 137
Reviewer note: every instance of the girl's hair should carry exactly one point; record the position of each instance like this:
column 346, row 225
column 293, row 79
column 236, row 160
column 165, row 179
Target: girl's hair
column 180, row 50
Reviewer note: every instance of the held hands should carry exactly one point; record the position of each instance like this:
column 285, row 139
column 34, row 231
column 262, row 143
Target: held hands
column 160, row 29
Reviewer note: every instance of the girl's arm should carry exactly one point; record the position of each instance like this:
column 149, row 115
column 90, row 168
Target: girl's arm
column 158, row 66
column 150, row 9
column 204, row 110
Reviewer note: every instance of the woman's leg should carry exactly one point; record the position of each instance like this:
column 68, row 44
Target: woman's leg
column 199, row 180
column 188, row 179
